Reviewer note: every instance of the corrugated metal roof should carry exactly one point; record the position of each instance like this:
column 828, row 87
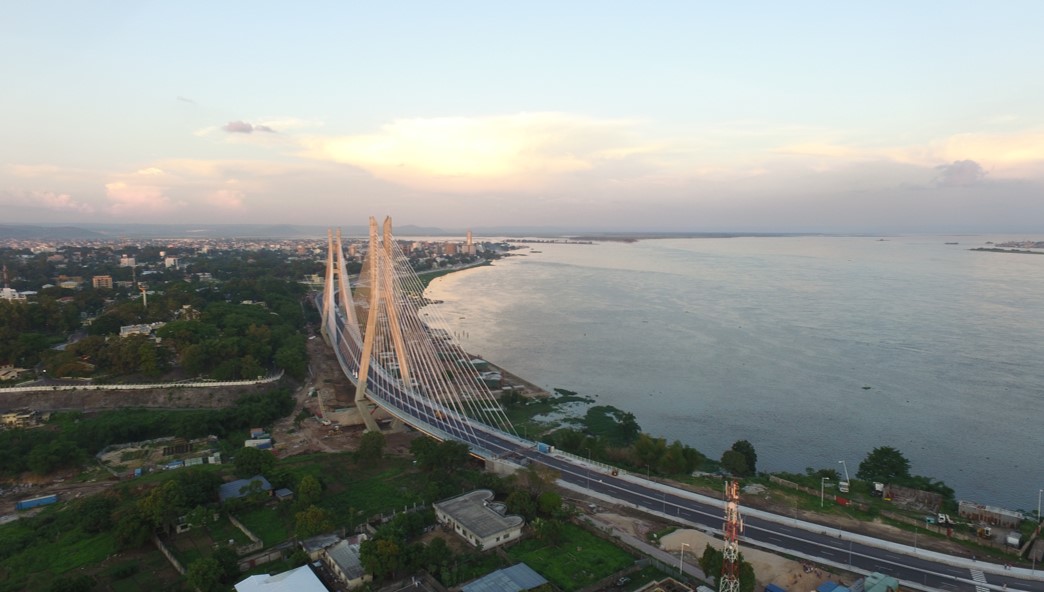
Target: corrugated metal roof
column 516, row 578
column 234, row 489
column 302, row 579
column 346, row 556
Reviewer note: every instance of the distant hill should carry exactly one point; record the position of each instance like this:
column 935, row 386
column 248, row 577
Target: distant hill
column 30, row 232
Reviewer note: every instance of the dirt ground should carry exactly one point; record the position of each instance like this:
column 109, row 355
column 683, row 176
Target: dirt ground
column 293, row 436
column 768, row 568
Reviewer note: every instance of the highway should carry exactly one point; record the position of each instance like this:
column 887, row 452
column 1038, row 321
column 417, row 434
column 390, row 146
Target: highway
column 818, row 544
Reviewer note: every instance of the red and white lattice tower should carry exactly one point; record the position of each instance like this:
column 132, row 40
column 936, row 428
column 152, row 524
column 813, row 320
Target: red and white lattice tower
column 732, row 529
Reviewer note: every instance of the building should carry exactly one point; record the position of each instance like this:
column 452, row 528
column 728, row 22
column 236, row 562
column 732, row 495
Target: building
column 102, row 281
column 20, row 418
column 991, row 515
column 12, row 295
column 343, row 560
column 301, row 579
column 242, row 487
column 127, row 262
column 481, row 522
column 140, row 329
column 666, row 585
column 879, row 582
column 9, row 372
column 517, row 578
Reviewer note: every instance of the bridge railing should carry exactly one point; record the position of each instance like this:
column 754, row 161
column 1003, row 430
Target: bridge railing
column 601, row 466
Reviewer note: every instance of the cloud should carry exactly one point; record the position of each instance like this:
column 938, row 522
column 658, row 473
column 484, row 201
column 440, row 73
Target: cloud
column 227, row 199
column 481, row 153
column 962, row 173
column 48, row 200
column 186, row 100
column 133, row 199
column 242, row 127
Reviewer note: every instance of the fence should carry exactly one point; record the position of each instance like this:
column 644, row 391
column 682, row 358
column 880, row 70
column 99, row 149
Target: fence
column 141, row 387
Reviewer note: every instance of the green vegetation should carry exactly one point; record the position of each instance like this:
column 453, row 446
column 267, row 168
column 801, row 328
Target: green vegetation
column 70, row 437
column 580, row 560
column 711, row 562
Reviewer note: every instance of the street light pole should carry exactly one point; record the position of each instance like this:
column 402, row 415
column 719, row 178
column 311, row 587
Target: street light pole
column 1038, row 509
column 822, row 486
column 681, row 558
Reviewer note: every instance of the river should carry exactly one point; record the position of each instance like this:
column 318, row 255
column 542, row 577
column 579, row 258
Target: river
column 815, row 349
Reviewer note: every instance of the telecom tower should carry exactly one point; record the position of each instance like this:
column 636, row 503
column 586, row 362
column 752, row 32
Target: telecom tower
column 732, row 529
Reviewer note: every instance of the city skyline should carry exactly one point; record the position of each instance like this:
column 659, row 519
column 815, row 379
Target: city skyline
column 677, row 118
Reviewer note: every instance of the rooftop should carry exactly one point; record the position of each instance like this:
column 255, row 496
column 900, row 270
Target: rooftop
column 302, row 579
column 473, row 511
column 516, row 578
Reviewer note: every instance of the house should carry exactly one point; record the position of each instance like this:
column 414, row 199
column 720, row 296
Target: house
column 314, row 546
column 301, row 579
column 242, row 487
column 343, row 560
column 481, row 522
column 20, row 418
column 517, row 578
column 878, row 582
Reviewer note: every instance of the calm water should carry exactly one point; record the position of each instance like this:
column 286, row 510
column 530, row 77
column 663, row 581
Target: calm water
column 773, row 340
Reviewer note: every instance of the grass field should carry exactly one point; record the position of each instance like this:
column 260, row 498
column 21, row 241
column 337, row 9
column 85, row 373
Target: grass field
column 365, row 490
column 580, row 560
column 45, row 558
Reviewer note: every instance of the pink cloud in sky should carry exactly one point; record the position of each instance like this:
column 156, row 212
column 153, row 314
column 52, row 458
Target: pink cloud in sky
column 130, row 200
column 961, row 173
column 49, row 200
column 242, row 127
column 227, row 199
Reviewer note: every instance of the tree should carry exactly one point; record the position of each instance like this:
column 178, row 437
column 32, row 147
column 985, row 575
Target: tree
column 747, row 450
column 205, row 574
column 884, row 464
column 229, row 562
column 312, row 521
column 550, row 531
column 371, row 448
column 381, row 557
column 521, row 502
column 735, row 463
column 132, row 529
column 309, row 490
column 163, row 505
column 549, row 503
column 96, row 513
column 253, row 461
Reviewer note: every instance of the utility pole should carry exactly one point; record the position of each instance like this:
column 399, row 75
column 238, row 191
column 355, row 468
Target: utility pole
column 822, row 486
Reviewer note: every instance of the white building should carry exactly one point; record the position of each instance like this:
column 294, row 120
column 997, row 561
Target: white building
column 301, row 579
column 480, row 521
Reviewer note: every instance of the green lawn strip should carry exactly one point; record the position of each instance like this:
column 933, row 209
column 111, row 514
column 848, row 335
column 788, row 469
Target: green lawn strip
column 643, row 576
column 270, row 525
column 477, row 565
column 579, row 561
column 190, row 546
column 44, row 560
column 223, row 530
column 154, row 573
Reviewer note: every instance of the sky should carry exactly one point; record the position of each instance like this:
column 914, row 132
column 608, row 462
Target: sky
column 653, row 116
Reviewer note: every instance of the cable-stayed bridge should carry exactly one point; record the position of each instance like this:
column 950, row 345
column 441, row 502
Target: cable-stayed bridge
column 414, row 373
column 397, row 361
